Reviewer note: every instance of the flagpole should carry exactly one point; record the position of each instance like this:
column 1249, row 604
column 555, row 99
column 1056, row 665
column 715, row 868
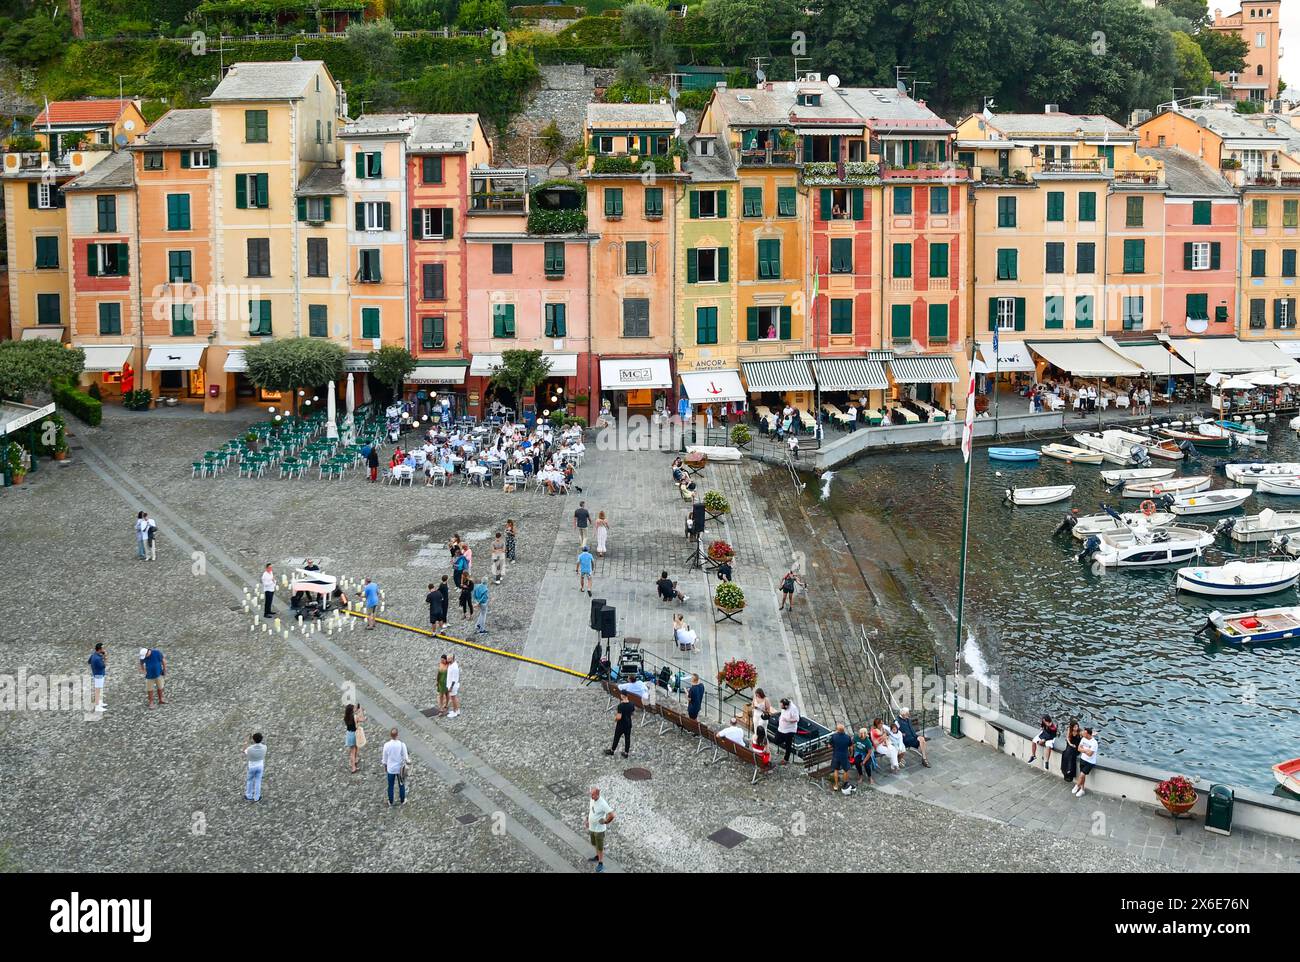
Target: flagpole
column 968, row 445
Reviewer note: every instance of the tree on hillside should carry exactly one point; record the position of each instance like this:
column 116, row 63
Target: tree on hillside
column 495, row 88
column 1195, row 12
column 1192, row 70
column 482, row 15
column 642, row 23
column 751, row 24
column 1225, row 52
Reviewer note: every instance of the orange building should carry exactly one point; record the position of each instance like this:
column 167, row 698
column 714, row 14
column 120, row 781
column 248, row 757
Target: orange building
column 67, row 125
column 1258, row 22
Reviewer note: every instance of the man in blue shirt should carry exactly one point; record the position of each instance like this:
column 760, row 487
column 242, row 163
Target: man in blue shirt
column 98, row 662
column 584, row 568
column 153, row 665
column 481, row 599
column 370, row 593
column 841, row 742
column 459, row 565
column 910, row 738
column 694, row 697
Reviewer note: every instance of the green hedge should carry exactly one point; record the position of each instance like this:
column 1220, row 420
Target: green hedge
column 542, row 12
column 77, row 403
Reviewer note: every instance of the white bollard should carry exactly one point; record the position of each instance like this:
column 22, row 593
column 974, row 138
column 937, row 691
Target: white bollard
column 277, row 624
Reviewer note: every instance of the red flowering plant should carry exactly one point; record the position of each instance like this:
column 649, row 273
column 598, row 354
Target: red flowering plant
column 1176, row 791
column 738, row 674
column 721, row 551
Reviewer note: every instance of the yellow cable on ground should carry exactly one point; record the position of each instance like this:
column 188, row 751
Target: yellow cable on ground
column 470, row 644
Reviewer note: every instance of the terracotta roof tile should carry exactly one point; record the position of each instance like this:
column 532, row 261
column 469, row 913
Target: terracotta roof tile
column 82, row 112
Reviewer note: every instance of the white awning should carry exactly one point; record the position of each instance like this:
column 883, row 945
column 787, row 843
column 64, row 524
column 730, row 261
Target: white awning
column 106, row 357
column 14, row 415
column 784, row 375
column 829, row 131
column 850, row 374
column 236, row 362
column 1013, row 357
column 562, row 365
column 1289, row 348
column 1227, row 355
column 482, row 365
column 1274, row 357
column 1155, row 359
column 635, row 373
column 46, row 332
column 1089, row 358
column 923, row 369
column 175, row 357
column 356, row 363
column 706, row 387
column 426, row 373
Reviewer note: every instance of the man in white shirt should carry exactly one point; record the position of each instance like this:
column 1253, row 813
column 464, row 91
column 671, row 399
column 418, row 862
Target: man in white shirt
column 268, row 590
column 853, row 418
column 635, row 687
column 599, row 815
column 396, row 758
column 1089, row 752
column 787, row 724
column 733, row 733
column 453, row 686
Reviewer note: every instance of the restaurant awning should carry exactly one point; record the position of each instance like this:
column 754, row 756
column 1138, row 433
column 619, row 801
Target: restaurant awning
column 356, row 363
column 175, row 357
column 635, row 373
column 438, row 372
column 1089, row 358
column 923, row 369
column 106, row 357
column 706, row 387
column 850, row 374
column 236, row 362
column 562, row 365
column 482, row 365
column 46, row 332
column 1227, row 355
column 783, row 375
column 1155, row 359
column 1290, row 348
column 1273, row 356
column 1012, row 357
column 14, row 416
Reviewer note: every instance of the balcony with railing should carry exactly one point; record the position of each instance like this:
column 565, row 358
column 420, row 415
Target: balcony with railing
column 498, row 191
column 1137, row 178
column 1073, row 165
column 772, row 156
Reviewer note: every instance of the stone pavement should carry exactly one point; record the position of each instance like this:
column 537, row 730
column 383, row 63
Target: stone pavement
column 974, row 779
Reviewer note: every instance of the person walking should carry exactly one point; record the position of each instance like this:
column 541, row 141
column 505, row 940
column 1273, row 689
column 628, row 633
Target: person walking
column 787, row 724
column 255, row 754
column 498, row 559
column 372, row 462
column 481, row 599
column 268, row 590
column 396, row 764
column 584, row 567
column 467, row 598
column 141, row 534
column 437, row 614
column 512, row 540
column 599, row 815
column 1089, row 753
column 788, row 582
column 153, row 665
column 581, row 519
column 354, row 737
column 602, row 534
column 453, row 686
column 98, row 662
column 623, row 724
column 370, row 594
column 442, row 685
column 151, row 539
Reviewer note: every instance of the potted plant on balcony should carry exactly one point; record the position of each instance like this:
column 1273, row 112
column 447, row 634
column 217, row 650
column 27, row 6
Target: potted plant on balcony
column 738, row 675
column 1177, row 795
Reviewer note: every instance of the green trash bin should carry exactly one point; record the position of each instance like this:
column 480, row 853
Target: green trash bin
column 1218, row 810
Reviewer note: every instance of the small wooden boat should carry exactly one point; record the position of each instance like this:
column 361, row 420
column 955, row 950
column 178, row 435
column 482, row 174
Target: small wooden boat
column 1044, row 495
column 1249, row 472
column 1284, row 486
column 1255, row 627
column 1087, row 525
column 1142, row 547
column 1071, row 454
column 1136, row 474
column 1208, row 502
column 1112, row 449
column 1239, row 579
column 1163, row 449
column 1013, row 454
column 1204, row 442
column 1288, row 775
column 1152, row 489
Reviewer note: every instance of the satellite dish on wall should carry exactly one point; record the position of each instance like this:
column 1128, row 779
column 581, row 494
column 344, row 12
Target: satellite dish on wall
column 120, row 140
column 902, row 87
column 1197, row 325
column 760, row 75
column 129, row 125
column 681, row 118
column 673, row 94
column 833, row 80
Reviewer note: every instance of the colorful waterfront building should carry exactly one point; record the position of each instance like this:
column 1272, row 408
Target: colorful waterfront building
column 104, row 268
column 1259, row 23
column 632, row 174
column 441, row 151
column 99, row 124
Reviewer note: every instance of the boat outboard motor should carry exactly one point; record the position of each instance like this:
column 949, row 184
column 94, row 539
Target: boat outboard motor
column 1067, row 524
column 1090, row 548
column 1112, row 512
column 1188, row 449
column 1279, row 543
column 1225, row 526
column 1138, row 455
column 1165, row 501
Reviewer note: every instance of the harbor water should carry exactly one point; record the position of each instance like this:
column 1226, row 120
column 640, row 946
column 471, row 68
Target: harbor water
column 1117, row 649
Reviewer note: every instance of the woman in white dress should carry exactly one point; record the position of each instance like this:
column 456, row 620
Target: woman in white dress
column 602, row 534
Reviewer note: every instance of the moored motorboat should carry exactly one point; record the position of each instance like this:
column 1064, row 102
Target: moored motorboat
column 1071, row 454
column 1239, row 579
column 1143, row 547
column 1255, row 627
column 1047, row 494
column 1249, row 431
column 1221, row 441
column 1084, row 526
column 1161, row 448
column 1249, row 472
column 1013, row 454
column 1288, row 775
column 1206, row 502
column 1113, row 450
column 1265, row 526
column 1151, row 489
column 1136, row 474
column 1289, row 487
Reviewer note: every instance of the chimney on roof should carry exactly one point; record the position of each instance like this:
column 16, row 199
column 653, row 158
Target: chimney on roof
column 1051, row 108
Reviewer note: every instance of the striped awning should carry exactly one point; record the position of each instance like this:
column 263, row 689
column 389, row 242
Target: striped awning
column 850, row 374
column 783, row 375
column 923, row 369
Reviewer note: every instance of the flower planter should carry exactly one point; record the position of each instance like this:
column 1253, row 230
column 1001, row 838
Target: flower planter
column 1179, row 808
column 18, row 478
column 728, row 614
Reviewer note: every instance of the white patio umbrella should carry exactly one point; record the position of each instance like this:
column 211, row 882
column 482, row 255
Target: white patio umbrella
column 1236, row 384
column 331, row 424
column 352, row 400
column 1264, row 379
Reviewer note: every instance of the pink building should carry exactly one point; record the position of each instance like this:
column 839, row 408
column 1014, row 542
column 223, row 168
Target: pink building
column 1200, row 244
